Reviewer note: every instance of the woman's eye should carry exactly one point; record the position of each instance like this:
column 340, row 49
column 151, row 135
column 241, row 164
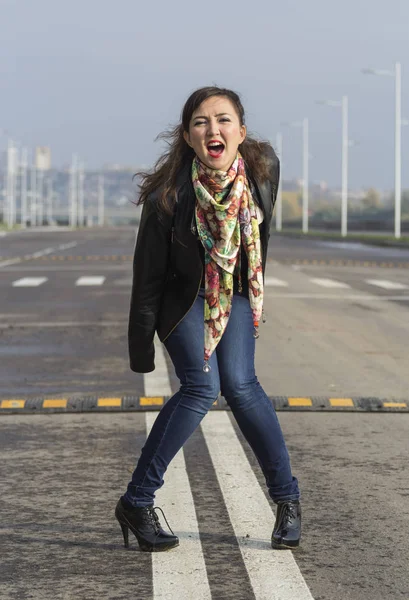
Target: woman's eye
column 199, row 123
column 224, row 119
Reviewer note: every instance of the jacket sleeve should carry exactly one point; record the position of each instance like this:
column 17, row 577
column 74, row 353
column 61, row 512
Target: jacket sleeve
column 149, row 275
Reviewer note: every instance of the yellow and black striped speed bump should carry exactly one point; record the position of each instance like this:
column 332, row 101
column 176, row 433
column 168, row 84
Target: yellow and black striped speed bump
column 106, row 403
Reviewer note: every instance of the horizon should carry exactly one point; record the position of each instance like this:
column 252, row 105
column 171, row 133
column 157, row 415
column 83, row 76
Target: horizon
column 88, row 79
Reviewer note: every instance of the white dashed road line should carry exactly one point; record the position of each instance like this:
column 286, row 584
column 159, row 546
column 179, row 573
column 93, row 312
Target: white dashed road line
column 29, row 282
column 12, row 261
column 329, row 283
column 273, row 281
column 67, row 246
column 19, row 259
column 387, row 285
column 95, row 280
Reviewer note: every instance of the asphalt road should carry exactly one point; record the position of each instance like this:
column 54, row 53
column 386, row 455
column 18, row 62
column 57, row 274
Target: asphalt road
column 337, row 324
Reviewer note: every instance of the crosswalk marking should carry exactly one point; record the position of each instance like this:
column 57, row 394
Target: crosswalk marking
column 272, row 573
column 329, row 283
column 270, row 282
column 273, row 281
column 29, row 282
column 95, row 280
column 157, row 383
column 180, row 573
column 387, row 285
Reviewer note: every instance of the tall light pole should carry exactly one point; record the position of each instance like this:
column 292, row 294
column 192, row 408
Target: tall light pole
column 40, row 196
column 10, row 215
column 33, row 193
column 101, row 200
column 305, row 136
column 23, row 192
column 279, row 201
column 398, row 124
column 81, row 177
column 49, row 201
column 345, row 144
column 73, row 193
column 304, row 124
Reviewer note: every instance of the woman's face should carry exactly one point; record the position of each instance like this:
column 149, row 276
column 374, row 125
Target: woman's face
column 215, row 133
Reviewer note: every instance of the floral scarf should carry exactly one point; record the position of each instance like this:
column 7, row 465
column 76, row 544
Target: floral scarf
column 226, row 217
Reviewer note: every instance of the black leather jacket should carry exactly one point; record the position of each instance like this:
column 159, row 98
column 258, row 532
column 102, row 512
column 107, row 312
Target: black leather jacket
column 167, row 265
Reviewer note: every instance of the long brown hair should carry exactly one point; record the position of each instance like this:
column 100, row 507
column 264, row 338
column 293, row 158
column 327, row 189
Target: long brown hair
column 179, row 153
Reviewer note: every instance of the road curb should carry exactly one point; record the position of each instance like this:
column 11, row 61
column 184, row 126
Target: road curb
column 100, row 403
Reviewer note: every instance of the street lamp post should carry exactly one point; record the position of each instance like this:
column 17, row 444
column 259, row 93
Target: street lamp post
column 33, row 193
column 23, row 192
column 345, row 144
column 398, row 124
column 10, row 215
column 304, row 124
column 305, row 136
column 40, row 196
column 81, row 177
column 101, row 200
column 73, row 192
column 49, row 201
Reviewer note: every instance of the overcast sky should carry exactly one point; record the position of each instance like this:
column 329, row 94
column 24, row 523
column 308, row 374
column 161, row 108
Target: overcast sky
column 103, row 78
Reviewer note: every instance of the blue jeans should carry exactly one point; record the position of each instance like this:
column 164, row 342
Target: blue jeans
column 232, row 373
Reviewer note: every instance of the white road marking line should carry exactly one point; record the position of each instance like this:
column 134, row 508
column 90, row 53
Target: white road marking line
column 157, row 383
column 91, row 280
column 3, row 233
column 179, row 573
column 68, row 245
column 44, row 252
column 329, row 283
column 273, row 281
column 40, row 253
column 387, row 285
column 273, row 574
column 12, row 261
column 29, row 281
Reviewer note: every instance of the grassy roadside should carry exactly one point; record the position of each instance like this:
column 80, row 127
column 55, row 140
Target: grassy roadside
column 376, row 239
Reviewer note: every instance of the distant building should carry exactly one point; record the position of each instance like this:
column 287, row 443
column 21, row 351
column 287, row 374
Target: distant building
column 43, row 158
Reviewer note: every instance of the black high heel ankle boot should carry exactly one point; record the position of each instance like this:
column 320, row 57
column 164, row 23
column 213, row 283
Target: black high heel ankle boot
column 144, row 524
column 287, row 528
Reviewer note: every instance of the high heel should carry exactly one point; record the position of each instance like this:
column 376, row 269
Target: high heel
column 144, row 524
column 125, row 533
column 287, row 528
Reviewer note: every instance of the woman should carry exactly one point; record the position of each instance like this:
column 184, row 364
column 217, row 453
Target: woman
column 198, row 277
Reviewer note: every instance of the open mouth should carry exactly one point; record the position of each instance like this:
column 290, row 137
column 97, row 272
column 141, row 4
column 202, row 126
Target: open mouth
column 215, row 149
